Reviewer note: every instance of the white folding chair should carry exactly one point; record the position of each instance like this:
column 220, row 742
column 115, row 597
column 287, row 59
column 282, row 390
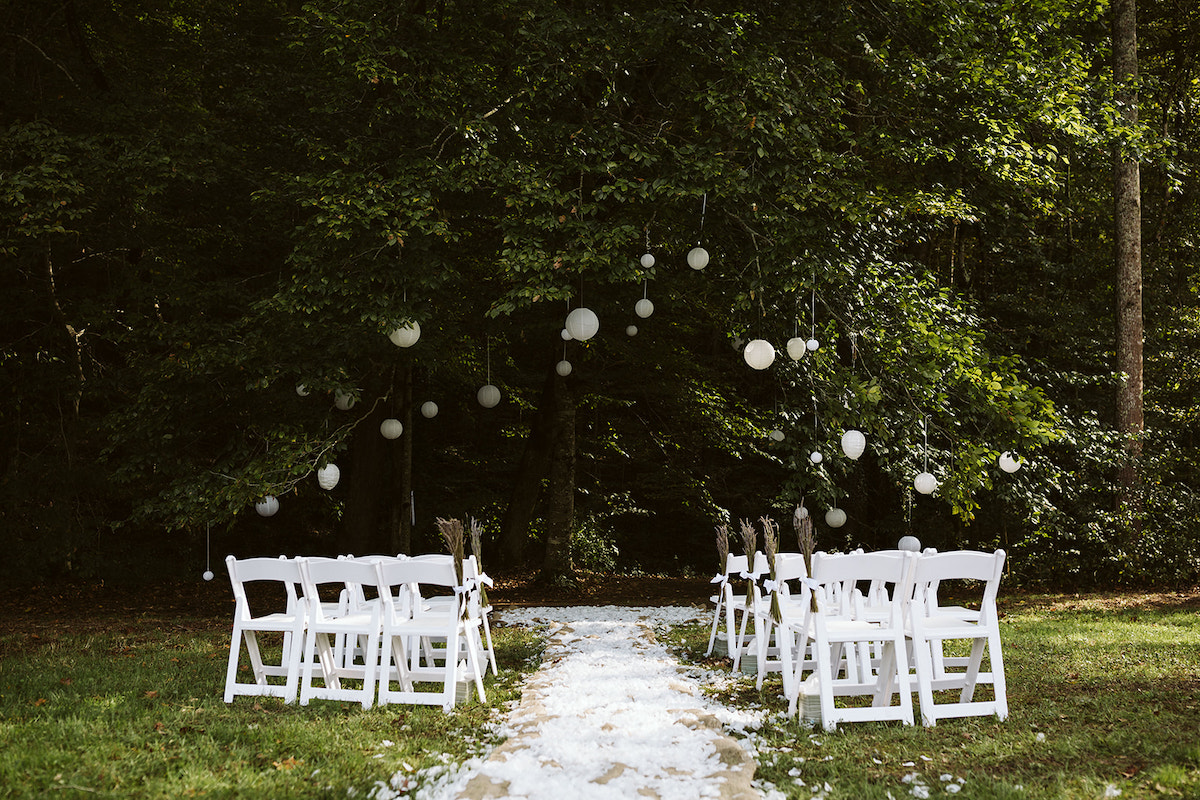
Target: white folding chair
column 838, row 639
column 722, row 612
column 246, row 626
column 477, row 579
column 746, row 605
column 776, row 641
column 347, row 624
column 408, row 658
column 930, row 626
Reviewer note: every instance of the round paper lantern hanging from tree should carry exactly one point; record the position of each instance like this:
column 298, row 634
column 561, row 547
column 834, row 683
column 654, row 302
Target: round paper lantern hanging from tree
column 391, row 428
column 759, row 353
column 406, row 335
column 582, row 324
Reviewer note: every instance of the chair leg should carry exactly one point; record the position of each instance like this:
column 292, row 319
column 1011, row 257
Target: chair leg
column 716, row 623
column 235, row 649
column 923, row 650
column 450, row 685
column 999, row 684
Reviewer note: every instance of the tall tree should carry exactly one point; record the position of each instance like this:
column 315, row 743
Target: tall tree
column 1127, row 251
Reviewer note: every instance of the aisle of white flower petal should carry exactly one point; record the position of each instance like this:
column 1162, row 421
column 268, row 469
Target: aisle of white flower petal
column 610, row 714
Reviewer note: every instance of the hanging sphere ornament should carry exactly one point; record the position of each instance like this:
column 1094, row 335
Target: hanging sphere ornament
column 429, row 409
column 582, row 324
column 1008, row 462
column 208, row 575
column 796, row 348
column 566, row 335
column 777, row 435
column 759, row 353
column 643, row 308
column 697, row 258
column 563, row 368
column 391, row 428
column 816, row 457
column 647, row 260
column 343, row 400
column 267, row 506
column 800, row 513
column 631, row 330
column 925, row 483
column 301, row 390
column 853, row 444
column 812, row 345
column 328, row 476
column 835, row 518
column 488, row 396
column 406, row 336
column 910, row 543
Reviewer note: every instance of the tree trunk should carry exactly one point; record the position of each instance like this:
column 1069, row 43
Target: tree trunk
column 367, row 483
column 1127, row 215
column 527, row 486
column 401, row 505
column 560, row 514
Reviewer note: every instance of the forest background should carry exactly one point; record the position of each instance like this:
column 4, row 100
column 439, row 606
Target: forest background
column 216, row 215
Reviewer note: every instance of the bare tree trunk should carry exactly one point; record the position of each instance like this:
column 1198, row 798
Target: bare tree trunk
column 560, row 515
column 527, row 486
column 362, row 526
column 1127, row 215
column 402, row 510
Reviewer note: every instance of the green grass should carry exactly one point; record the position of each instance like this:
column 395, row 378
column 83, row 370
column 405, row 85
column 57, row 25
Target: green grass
column 119, row 715
column 1102, row 693
column 1103, row 697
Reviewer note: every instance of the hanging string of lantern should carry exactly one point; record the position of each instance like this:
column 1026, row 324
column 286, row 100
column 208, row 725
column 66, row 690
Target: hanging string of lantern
column 488, row 395
column 697, row 257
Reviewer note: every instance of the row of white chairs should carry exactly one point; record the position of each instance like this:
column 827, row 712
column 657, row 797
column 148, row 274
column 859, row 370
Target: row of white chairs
column 877, row 629
column 397, row 629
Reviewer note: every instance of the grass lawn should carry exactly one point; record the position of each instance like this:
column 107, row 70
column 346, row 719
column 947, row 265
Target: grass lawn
column 1104, row 695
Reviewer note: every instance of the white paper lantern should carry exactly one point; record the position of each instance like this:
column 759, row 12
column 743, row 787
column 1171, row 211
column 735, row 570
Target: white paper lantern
column 343, row 399
column 328, row 476
column 759, row 353
column 910, row 543
column 406, row 336
column 777, row 435
column 812, row 345
column 643, row 308
column 429, row 409
column 816, row 457
column 488, row 396
column 208, row 575
column 697, row 258
column 800, row 513
column 631, row 330
column 391, row 428
column 853, row 444
column 925, row 483
column 795, row 348
column 582, row 324
column 648, row 260
column 835, row 518
column 1008, row 462
column 566, row 335
column 563, row 368
column 301, row 390
column 267, row 506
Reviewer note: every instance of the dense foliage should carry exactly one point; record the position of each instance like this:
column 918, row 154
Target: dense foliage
column 208, row 205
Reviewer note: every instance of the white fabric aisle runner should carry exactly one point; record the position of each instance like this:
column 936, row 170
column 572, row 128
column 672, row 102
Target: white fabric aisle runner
column 611, row 715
